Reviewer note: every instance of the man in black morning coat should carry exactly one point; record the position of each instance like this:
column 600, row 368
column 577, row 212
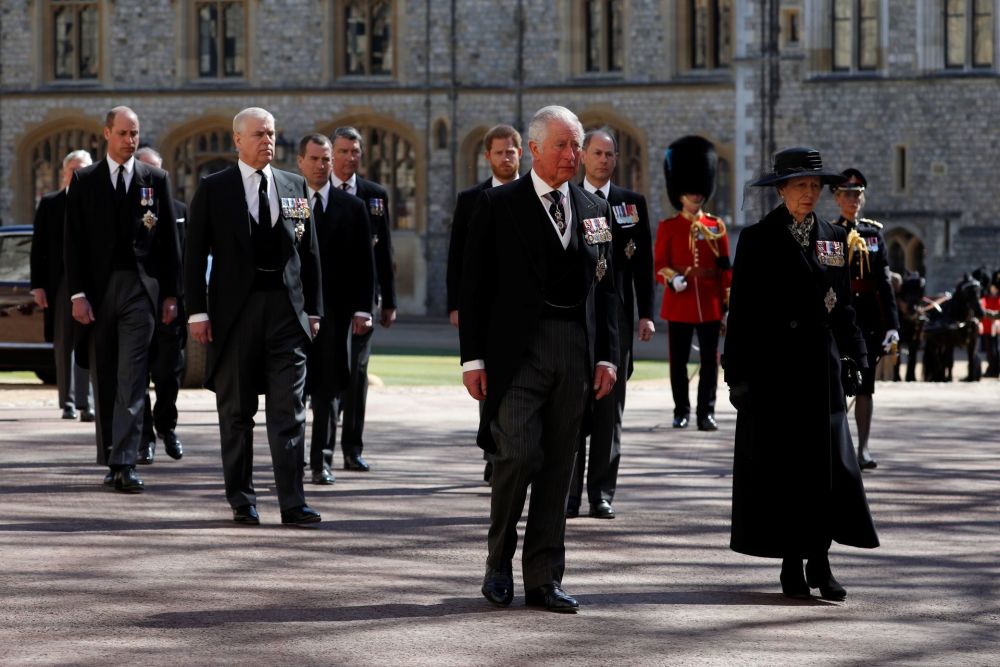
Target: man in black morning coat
column 345, row 250
column 122, row 265
column 538, row 311
column 264, row 303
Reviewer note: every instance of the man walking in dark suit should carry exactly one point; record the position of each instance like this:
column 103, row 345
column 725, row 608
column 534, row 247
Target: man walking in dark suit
column 633, row 262
column 48, row 287
column 345, row 250
column 166, row 358
column 539, row 319
column 263, row 304
column 122, row 261
column 347, row 151
column 502, row 146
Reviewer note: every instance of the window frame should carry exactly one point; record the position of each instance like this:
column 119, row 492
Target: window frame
column 714, row 56
column 969, row 23
column 50, row 42
column 342, row 44
column 194, row 50
column 856, row 49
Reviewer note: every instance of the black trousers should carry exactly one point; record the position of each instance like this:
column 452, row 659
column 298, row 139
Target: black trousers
column 119, row 358
column 355, row 396
column 72, row 381
column 537, row 429
column 324, row 431
column 680, row 335
column 166, row 362
column 265, row 353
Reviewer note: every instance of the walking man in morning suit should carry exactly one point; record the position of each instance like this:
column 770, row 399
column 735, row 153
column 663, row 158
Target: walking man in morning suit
column 539, row 320
column 263, row 305
column 345, row 249
column 503, row 152
column 48, row 287
column 347, row 151
column 633, row 262
column 122, row 265
column 166, row 359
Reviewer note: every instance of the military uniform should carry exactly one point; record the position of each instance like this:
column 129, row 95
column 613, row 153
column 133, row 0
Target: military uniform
column 871, row 289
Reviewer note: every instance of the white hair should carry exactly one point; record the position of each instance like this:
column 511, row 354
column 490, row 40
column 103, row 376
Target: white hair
column 148, row 152
column 538, row 128
column 251, row 112
column 81, row 155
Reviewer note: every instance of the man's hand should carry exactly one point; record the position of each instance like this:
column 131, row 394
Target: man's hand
column 169, row 310
column 82, row 312
column 475, row 382
column 646, row 329
column 313, row 326
column 361, row 325
column 388, row 317
column 40, row 299
column 201, row 331
column 453, row 318
column 604, row 381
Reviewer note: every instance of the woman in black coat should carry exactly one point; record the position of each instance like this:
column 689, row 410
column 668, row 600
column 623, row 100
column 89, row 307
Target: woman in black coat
column 790, row 336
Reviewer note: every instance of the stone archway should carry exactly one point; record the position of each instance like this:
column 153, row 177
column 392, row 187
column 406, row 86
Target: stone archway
column 195, row 150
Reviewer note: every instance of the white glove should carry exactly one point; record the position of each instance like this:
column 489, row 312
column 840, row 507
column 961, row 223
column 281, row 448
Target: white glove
column 679, row 282
column 891, row 336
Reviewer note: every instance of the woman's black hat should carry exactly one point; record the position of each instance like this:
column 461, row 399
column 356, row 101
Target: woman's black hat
column 796, row 162
column 689, row 167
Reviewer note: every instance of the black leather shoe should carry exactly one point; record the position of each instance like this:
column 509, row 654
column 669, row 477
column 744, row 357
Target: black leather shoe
column 819, row 576
column 553, row 598
column 127, row 481
column 147, row 451
column 355, row 462
column 109, row 479
column 172, row 446
column 88, row 416
column 865, row 460
column 602, row 510
column 69, row 412
column 488, row 473
column 707, row 423
column 300, row 516
column 246, row 515
column 681, row 421
column 498, row 586
column 324, row 477
column 793, row 583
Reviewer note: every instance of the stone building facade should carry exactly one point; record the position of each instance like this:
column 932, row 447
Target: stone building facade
column 876, row 84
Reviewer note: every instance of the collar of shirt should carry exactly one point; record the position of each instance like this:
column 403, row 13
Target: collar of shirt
column 324, row 194
column 129, row 165
column 541, row 189
column 352, row 183
column 591, row 188
column 495, row 183
column 251, row 188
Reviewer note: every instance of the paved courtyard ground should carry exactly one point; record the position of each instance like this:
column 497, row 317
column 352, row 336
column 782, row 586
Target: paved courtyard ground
column 392, row 575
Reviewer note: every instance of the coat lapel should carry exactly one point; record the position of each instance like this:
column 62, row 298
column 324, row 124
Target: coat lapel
column 241, row 214
column 531, row 223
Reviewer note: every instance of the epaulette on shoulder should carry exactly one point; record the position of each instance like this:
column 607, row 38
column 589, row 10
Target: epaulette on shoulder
column 873, row 223
column 711, row 216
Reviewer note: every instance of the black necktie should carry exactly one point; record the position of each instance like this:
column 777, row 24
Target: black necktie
column 263, row 203
column 600, row 193
column 556, row 210
column 318, row 206
column 120, row 184
column 345, row 186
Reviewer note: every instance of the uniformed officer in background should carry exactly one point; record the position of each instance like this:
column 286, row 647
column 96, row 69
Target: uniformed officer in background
column 872, row 293
column 691, row 258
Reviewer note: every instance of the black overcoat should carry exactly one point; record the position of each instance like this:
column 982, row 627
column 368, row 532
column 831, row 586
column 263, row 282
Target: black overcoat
column 796, row 481
column 47, row 252
column 464, row 206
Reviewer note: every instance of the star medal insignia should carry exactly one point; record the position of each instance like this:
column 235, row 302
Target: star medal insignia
column 149, row 220
column 300, row 229
column 830, row 300
column 374, row 240
column 630, row 248
column 602, row 268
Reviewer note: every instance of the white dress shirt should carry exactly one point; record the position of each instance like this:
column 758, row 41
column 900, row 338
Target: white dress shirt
column 352, row 184
column 605, row 189
column 251, row 188
column 324, row 197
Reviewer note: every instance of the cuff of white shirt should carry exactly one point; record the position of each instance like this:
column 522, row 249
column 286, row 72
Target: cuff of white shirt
column 198, row 317
column 609, row 365
column 474, row 365
column 78, row 295
column 367, row 316
column 313, row 318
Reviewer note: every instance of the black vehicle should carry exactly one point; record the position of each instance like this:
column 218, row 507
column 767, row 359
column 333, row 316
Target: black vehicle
column 22, row 333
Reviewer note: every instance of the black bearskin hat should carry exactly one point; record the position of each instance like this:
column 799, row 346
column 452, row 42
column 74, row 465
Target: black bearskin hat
column 689, row 167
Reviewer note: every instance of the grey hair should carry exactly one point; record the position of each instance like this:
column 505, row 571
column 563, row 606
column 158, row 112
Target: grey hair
column 149, row 152
column 81, row 155
column 606, row 131
column 349, row 133
column 251, row 112
column 538, row 128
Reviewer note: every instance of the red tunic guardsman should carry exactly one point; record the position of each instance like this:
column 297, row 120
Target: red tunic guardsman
column 691, row 258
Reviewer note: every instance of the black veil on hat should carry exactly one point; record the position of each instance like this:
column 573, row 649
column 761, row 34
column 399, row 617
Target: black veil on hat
column 689, row 167
column 796, row 162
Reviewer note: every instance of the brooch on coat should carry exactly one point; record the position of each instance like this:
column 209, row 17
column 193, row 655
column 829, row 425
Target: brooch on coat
column 149, row 220
column 602, row 268
column 830, row 300
column 830, row 253
column 296, row 208
column 630, row 248
column 300, row 229
column 596, row 230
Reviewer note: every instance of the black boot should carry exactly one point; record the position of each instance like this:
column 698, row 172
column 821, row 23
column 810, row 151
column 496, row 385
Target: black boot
column 819, row 576
column 793, row 583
